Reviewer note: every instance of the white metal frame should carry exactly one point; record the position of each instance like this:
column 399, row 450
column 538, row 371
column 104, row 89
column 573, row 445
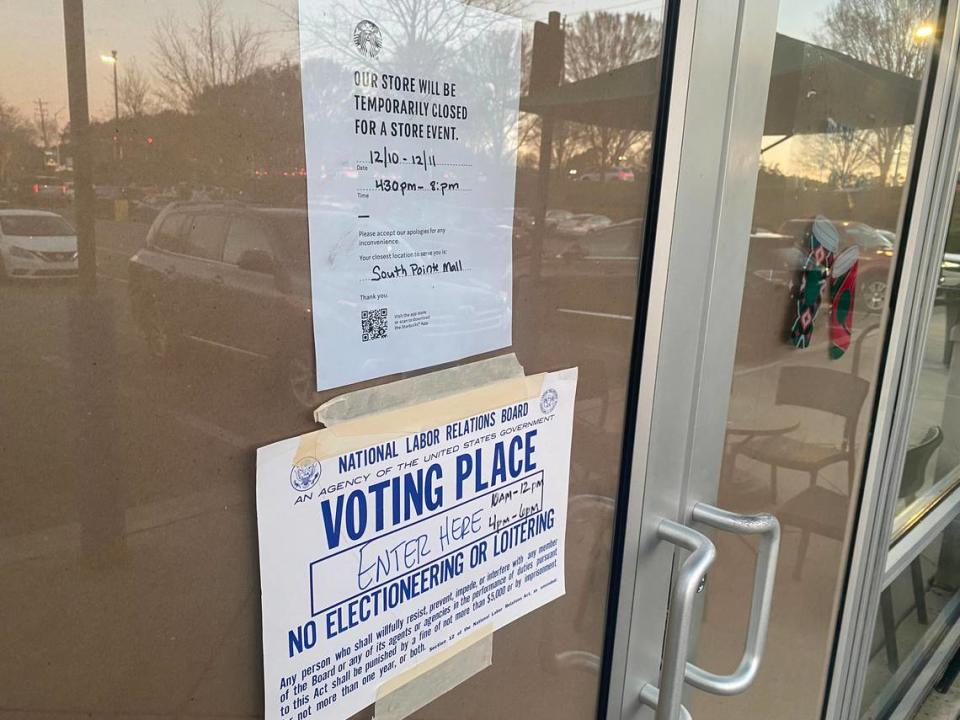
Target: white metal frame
column 715, row 121
column 921, row 668
column 873, row 565
column 716, row 117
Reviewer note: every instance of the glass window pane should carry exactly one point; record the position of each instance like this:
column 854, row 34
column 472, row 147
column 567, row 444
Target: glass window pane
column 170, row 233
column 244, row 235
column 36, row 225
column 844, row 99
column 932, row 467
column 204, row 237
column 910, row 622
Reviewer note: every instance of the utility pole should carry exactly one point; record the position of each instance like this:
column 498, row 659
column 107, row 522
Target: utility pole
column 116, row 93
column 97, row 470
column 41, row 117
column 41, row 111
column 80, row 141
column 111, row 59
column 546, row 73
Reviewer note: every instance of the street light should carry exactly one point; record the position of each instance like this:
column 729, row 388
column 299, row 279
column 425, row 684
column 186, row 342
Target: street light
column 111, row 59
column 924, row 31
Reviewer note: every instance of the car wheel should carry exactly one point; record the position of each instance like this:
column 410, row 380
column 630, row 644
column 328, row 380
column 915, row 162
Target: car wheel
column 873, row 294
column 299, row 380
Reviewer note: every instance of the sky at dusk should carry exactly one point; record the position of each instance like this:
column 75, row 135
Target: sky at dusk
column 32, row 61
column 32, row 64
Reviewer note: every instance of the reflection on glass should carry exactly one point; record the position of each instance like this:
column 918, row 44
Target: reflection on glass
column 36, row 244
column 935, row 423
column 844, row 95
column 130, row 418
column 915, row 609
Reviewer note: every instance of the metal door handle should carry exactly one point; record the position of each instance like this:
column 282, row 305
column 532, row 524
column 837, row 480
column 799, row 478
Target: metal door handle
column 764, row 577
column 674, row 670
column 666, row 700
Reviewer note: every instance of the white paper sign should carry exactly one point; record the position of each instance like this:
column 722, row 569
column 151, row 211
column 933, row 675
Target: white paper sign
column 410, row 124
column 384, row 541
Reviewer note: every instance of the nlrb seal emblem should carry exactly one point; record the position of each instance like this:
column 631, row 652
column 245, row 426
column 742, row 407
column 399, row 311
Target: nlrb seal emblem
column 304, row 474
column 548, row 401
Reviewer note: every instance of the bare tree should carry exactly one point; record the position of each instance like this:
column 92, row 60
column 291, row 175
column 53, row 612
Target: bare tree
column 492, row 83
column 844, row 153
column 16, row 142
column 411, row 11
column 599, row 43
column 134, row 91
column 528, row 124
column 210, row 52
column 881, row 33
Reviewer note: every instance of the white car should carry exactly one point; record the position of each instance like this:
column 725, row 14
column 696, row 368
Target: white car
column 36, row 244
column 583, row 224
column 614, row 174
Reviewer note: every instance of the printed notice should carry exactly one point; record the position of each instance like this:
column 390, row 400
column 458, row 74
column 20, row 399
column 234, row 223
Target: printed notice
column 410, row 125
column 385, row 540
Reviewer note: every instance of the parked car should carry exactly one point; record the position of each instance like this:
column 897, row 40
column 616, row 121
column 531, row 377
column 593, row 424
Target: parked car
column 614, row 174
column 106, row 197
column 216, row 275
column 523, row 218
column 610, row 252
column 617, row 242
column 876, row 256
column 44, row 190
column 147, row 209
column 583, row 224
column 555, row 217
column 36, row 244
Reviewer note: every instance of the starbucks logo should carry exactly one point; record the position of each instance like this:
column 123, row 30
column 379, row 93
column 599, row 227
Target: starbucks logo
column 367, row 38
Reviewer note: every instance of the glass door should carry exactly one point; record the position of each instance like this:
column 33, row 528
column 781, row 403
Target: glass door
column 786, row 238
column 156, row 150
column 845, row 115
column 707, row 221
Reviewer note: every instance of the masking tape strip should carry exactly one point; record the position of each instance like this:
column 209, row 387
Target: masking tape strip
column 383, row 426
column 408, row 692
column 391, row 396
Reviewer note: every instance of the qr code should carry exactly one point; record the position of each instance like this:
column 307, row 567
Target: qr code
column 373, row 324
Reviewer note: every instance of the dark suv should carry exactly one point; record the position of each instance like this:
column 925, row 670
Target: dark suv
column 231, row 277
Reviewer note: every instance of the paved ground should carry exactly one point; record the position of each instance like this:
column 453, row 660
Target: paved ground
column 942, row 707
column 114, row 470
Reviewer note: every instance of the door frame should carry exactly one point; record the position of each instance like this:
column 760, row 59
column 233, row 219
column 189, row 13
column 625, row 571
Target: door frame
column 708, row 183
column 924, row 222
column 708, row 180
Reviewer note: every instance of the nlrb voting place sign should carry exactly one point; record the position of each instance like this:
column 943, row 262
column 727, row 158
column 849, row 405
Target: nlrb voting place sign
column 387, row 539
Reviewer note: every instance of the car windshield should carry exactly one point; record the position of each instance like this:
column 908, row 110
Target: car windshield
column 867, row 237
column 35, row 225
